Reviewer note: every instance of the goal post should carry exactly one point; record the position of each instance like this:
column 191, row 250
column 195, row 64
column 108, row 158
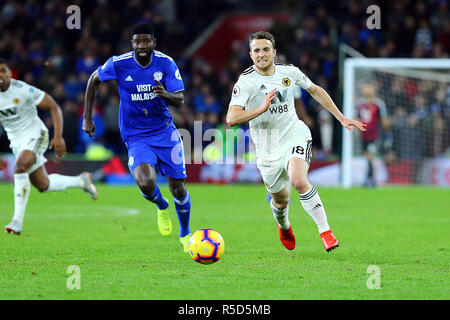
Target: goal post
column 422, row 78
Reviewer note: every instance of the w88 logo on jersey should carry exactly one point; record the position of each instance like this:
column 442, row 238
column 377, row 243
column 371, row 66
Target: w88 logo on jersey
column 279, row 109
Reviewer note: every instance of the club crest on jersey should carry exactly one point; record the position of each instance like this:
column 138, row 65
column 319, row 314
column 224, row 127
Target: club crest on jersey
column 130, row 161
column 236, row 91
column 177, row 74
column 16, row 101
column 286, row 82
column 158, row 75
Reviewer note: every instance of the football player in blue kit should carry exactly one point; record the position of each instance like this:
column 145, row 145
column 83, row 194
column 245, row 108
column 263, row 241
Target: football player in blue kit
column 148, row 81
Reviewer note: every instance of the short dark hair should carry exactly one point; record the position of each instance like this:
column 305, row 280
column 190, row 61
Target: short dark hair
column 262, row 35
column 143, row 28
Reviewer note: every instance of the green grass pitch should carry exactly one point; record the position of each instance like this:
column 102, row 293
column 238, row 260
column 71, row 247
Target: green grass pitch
column 121, row 255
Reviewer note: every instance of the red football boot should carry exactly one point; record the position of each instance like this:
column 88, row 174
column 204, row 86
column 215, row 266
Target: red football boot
column 287, row 238
column 329, row 240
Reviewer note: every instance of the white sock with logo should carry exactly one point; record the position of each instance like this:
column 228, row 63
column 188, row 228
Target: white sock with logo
column 281, row 216
column 21, row 194
column 312, row 204
column 58, row 182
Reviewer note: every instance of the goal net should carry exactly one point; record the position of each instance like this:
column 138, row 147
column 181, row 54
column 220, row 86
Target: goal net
column 405, row 104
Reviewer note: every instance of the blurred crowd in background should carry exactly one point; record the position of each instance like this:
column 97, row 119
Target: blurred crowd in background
column 416, row 122
column 43, row 52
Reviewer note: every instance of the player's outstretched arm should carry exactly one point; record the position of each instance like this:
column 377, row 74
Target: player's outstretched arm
column 237, row 115
column 322, row 97
column 91, row 90
column 57, row 143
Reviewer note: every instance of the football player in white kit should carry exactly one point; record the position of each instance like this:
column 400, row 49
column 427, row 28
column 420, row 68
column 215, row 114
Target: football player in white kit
column 28, row 138
column 263, row 95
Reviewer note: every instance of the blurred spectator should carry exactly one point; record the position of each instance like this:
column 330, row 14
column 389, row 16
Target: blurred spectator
column 403, row 128
column 422, row 110
column 441, row 15
column 443, row 36
column 199, row 96
column 70, row 117
column 424, row 37
column 73, row 87
column 406, row 36
column 209, row 105
column 37, row 56
column 88, row 63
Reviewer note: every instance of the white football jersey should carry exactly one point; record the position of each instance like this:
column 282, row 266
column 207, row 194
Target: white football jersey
column 280, row 122
column 18, row 109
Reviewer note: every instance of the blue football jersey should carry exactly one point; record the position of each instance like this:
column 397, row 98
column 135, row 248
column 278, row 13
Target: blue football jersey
column 142, row 114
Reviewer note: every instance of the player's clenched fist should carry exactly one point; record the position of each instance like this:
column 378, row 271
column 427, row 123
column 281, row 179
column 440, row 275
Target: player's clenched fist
column 268, row 100
column 88, row 127
column 60, row 148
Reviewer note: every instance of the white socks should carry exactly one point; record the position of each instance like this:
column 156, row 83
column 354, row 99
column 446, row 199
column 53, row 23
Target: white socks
column 281, row 216
column 313, row 205
column 58, row 182
column 22, row 185
column 21, row 193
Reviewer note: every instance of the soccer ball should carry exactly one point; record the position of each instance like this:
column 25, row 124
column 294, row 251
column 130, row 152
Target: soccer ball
column 206, row 246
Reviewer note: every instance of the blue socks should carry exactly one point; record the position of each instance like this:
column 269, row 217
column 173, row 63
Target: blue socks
column 157, row 199
column 183, row 207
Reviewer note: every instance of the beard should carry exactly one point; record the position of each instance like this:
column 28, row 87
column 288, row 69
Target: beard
column 143, row 56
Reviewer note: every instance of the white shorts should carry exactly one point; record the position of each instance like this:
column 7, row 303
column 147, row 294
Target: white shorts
column 36, row 141
column 274, row 173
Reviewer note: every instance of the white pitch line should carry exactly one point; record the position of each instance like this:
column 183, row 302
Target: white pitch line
column 78, row 211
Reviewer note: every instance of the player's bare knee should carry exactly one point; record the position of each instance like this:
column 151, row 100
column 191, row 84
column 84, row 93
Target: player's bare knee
column 146, row 184
column 178, row 189
column 301, row 184
column 43, row 186
column 179, row 193
column 280, row 203
column 21, row 168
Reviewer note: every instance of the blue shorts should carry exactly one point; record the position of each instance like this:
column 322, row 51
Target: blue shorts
column 169, row 161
